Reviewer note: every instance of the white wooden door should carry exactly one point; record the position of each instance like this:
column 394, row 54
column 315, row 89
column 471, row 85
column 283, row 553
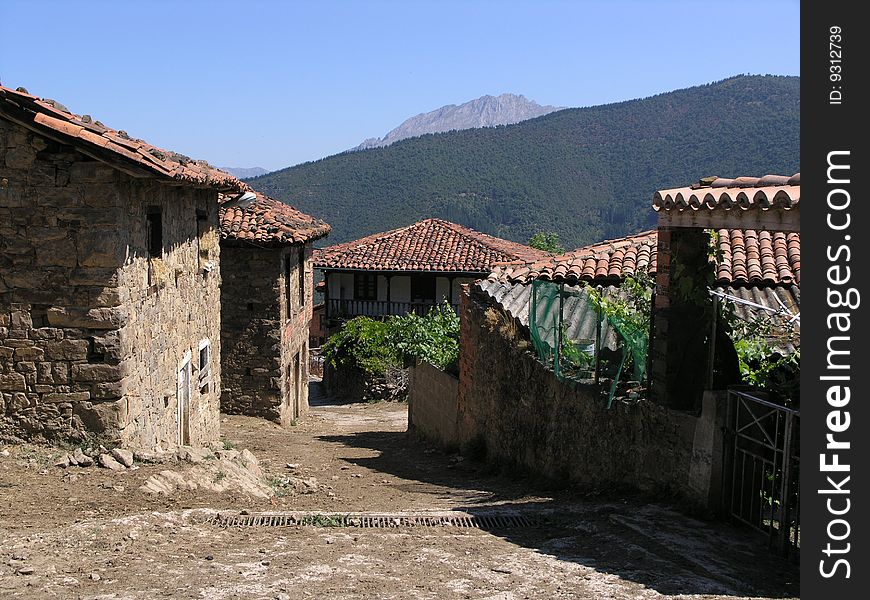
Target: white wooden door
column 184, row 393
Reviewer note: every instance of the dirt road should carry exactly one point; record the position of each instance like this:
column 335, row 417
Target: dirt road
column 97, row 536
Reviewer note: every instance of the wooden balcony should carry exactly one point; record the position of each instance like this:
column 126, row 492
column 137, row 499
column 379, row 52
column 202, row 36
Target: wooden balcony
column 347, row 309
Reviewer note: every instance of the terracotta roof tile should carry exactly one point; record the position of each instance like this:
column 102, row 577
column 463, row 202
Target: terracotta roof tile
column 50, row 118
column 744, row 193
column 429, row 245
column 745, row 257
column 268, row 221
column 606, row 261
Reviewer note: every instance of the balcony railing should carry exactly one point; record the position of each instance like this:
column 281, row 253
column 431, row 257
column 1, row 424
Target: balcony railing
column 379, row 308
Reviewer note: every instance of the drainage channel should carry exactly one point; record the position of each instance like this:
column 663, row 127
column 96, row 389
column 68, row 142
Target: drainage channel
column 372, row 520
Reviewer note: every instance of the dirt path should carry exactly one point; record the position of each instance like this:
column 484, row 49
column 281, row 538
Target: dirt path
column 98, row 537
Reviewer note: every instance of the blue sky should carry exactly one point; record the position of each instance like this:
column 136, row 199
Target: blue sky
column 272, row 84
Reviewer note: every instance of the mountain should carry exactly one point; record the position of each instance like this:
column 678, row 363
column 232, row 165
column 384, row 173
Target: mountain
column 244, row 172
column 486, row 111
column 587, row 174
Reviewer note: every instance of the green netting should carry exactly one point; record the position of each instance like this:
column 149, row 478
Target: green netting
column 544, row 319
column 579, row 337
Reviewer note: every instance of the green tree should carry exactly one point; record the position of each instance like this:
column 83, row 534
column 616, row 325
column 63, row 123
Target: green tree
column 546, row 241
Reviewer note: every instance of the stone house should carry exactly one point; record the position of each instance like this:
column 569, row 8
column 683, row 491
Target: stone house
column 266, row 308
column 410, row 268
column 109, row 283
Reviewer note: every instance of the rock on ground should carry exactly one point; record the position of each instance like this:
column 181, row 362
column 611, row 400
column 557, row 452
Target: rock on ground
column 228, row 471
column 108, row 462
column 123, row 456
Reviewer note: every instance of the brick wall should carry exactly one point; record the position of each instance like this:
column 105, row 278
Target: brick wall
column 261, row 336
column 432, row 401
column 515, row 410
column 92, row 329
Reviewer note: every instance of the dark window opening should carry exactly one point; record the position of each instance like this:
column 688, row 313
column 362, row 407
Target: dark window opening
column 248, row 371
column 250, row 306
column 422, row 288
column 39, row 315
column 365, row 286
column 301, row 270
column 95, row 354
column 204, row 370
column 155, row 232
column 288, row 285
column 201, row 229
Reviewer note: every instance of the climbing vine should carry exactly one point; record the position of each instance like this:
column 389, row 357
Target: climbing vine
column 768, row 351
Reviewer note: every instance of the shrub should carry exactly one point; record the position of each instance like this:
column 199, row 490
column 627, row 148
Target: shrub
column 376, row 346
column 362, row 343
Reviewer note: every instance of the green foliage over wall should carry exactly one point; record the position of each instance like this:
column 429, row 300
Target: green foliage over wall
column 761, row 343
column 375, row 346
column 585, row 174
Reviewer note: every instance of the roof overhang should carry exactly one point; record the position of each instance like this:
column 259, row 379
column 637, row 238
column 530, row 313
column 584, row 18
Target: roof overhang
column 474, row 275
column 734, row 218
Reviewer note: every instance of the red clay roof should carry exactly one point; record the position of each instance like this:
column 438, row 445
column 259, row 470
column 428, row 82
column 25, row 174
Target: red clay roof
column 746, row 257
column 766, row 257
column 744, row 193
column 429, row 245
column 137, row 157
column 605, row 261
column 269, row 221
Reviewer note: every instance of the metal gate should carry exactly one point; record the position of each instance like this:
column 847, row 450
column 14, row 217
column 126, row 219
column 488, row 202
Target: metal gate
column 765, row 456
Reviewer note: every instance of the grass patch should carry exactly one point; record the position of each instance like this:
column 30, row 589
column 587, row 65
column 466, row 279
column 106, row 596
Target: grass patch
column 324, row 520
column 280, row 485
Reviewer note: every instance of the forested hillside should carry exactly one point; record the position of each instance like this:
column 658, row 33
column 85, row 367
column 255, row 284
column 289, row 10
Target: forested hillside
column 585, row 173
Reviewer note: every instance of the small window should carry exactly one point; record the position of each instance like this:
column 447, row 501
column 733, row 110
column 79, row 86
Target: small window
column 365, row 286
column 202, row 227
column 301, row 270
column 288, row 285
column 96, row 354
column 39, row 315
column 154, row 232
column 204, row 367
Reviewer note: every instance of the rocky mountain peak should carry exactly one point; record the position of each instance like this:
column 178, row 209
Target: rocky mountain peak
column 486, row 111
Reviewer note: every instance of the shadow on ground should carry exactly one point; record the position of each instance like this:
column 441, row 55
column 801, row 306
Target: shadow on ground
column 647, row 542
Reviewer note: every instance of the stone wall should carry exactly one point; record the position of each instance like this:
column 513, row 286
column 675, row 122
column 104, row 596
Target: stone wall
column 294, row 334
column 432, row 404
column 91, row 328
column 355, row 385
column 173, row 306
column 265, row 339
column 512, row 408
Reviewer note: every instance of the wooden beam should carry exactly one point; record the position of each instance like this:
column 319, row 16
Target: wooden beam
column 764, row 220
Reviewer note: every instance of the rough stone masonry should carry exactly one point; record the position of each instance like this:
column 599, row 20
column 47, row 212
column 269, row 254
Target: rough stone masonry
column 264, row 330
column 109, row 300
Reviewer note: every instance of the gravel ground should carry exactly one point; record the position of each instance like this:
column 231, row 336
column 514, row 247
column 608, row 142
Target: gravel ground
column 91, row 533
